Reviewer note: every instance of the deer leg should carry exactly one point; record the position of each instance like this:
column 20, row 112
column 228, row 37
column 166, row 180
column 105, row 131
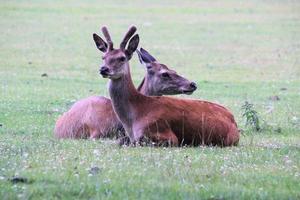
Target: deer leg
column 94, row 134
column 232, row 138
column 165, row 138
column 124, row 141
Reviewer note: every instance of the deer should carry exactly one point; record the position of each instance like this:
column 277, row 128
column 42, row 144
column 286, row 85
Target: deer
column 160, row 119
column 94, row 118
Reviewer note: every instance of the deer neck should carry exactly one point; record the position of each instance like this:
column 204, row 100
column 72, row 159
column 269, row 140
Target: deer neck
column 124, row 95
column 146, row 88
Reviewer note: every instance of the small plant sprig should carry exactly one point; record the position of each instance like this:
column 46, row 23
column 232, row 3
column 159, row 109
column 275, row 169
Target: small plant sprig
column 251, row 115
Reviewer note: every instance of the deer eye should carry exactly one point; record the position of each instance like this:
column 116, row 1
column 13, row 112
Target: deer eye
column 165, row 75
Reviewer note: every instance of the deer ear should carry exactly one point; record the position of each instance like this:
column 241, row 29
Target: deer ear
column 101, row 45
column 147, row 55
column 143, row 59
column 132, row 46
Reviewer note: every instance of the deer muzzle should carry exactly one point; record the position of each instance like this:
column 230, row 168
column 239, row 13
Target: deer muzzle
column 104, row 71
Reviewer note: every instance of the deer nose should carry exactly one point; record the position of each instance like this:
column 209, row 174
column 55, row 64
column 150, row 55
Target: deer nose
column 193, row 85
column 103, row 70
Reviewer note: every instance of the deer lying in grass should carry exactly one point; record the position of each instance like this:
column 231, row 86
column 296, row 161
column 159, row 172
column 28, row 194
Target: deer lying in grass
column 93, row 117
column 161, row 119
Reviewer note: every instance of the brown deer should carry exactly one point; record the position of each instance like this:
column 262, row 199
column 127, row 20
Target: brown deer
column 161, row 119
column 93, row 117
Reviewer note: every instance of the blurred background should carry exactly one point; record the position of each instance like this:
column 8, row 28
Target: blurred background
column 236, row 51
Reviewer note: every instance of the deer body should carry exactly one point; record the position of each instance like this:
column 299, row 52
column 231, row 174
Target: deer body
column 161, row 119
column 91, row 117
column 187, row 122
column 173, row 120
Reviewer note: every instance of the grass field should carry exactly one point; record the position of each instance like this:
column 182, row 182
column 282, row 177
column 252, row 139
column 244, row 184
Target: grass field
column 236, row 51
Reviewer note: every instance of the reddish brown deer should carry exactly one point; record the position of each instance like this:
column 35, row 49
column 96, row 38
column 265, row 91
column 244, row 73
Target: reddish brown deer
column 93, row 117
column 161, row 119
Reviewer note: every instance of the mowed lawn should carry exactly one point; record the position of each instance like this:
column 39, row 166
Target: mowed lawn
column 235, row 51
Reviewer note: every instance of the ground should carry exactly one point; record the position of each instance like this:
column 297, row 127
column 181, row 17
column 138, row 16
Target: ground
column 235, row 51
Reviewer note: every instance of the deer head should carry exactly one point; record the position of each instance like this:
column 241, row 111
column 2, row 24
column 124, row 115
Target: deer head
column 116, row 59
column 159, row 79
column 162, row 80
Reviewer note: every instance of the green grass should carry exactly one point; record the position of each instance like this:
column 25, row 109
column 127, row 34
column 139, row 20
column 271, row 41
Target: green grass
column 236, row 51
